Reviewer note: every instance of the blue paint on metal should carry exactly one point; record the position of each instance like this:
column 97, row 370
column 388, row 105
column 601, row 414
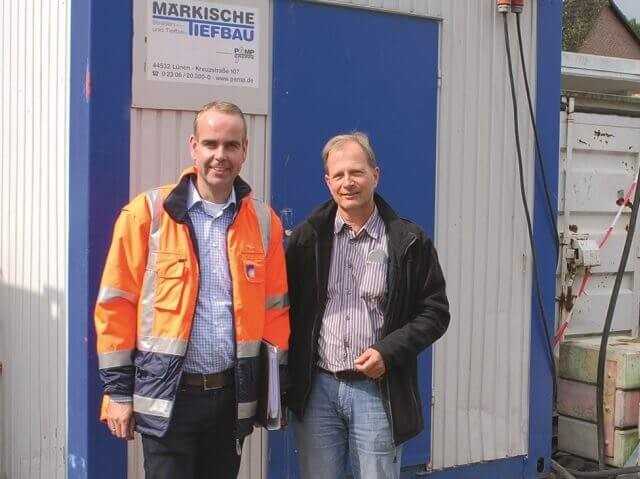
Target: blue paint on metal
column 549, row 51
column 100, row 100
column 338, row 69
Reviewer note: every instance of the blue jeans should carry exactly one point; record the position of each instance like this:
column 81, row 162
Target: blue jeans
column 345, row 419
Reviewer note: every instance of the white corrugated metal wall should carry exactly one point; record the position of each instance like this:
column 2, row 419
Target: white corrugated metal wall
column 482, row 412
column 158, row 154
column 33, row 237
column 481, row 366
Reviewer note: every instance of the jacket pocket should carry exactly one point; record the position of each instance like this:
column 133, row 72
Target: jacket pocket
column 170, row 280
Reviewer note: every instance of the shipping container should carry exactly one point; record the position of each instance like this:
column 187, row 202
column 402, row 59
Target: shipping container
column 98, row 100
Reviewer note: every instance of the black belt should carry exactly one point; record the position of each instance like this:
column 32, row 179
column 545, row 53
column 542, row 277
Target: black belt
column 205, row 382
column 346, row 375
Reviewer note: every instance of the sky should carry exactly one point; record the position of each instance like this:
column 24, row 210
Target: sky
column 631, row 8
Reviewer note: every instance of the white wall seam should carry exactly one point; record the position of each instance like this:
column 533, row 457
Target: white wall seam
column 34, row 222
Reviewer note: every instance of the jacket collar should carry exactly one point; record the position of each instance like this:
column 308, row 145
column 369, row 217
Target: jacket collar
column 176, row 203
column 323, row 218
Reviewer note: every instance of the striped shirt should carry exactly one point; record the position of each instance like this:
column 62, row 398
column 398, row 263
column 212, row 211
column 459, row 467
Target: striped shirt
column 211, row 345
column 357, row 289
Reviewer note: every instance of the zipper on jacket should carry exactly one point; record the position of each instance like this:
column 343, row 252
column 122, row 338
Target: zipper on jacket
column 385, row 332
column 388, row 394
column 236, row 435
column 315, row 325
column 387, row 326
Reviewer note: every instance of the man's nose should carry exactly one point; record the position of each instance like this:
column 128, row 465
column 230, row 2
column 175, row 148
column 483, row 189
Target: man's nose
column 219, row 152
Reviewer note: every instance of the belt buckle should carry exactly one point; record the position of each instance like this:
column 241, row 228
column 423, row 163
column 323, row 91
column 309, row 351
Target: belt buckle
column 205, row 386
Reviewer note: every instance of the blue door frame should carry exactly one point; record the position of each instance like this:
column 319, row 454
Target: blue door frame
column 101, row 34
column 338, row 69
column 100, row 103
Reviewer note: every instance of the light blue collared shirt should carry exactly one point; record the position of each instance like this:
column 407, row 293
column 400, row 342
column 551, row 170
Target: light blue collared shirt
column 211, row 345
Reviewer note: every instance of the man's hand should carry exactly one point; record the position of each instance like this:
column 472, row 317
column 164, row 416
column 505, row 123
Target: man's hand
column 120, row 419
column 371, row 364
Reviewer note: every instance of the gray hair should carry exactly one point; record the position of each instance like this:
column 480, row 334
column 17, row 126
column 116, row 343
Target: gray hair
column 357, row 137
column 221, row 107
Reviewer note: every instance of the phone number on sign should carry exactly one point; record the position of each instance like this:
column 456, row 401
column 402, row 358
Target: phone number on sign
column 187, row 75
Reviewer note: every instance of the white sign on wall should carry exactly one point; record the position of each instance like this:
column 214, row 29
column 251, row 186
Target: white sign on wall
column 202, row 42
column 190, row 52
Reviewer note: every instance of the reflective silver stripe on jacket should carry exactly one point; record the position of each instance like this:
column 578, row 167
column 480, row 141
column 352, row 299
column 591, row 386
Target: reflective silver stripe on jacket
column 114, row 359
column 278, row 301
column 109, row 293
column 147, row 298
column 248, row 349
column 151, row 406
column 263, row 212
column 174, row 346
column 247, row 410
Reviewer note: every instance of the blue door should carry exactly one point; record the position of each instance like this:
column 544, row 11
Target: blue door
column 338, row 69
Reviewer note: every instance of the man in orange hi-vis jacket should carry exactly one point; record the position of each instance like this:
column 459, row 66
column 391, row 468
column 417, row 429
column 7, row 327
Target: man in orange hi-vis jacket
column 194, row 280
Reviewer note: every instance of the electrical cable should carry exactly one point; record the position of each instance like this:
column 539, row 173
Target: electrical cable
column 523, row 195
column 562, row 472
column 568, row 473
column 602, row 354
column 550, row 210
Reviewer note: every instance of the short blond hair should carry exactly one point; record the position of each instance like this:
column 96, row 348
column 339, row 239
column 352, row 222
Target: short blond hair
column 339, row 141
column 221, row 107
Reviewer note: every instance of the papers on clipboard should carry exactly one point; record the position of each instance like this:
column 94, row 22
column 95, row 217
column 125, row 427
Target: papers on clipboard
column 269, row 405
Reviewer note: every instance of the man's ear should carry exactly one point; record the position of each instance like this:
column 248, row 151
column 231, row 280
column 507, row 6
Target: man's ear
column 193, row 142
column 245, row 147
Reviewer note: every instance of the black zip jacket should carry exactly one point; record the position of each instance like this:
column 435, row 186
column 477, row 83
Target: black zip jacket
column 416, row 313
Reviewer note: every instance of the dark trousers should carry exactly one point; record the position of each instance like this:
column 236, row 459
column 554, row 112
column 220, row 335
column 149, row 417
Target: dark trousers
column 199, row 443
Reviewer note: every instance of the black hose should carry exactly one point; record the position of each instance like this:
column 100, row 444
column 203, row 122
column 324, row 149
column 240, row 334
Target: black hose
column 550, row 209
column 602, row 354
column 523, row 195
column 562, row 472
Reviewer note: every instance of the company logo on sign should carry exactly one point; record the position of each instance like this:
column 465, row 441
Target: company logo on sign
column 243, row 54
column 212, row 22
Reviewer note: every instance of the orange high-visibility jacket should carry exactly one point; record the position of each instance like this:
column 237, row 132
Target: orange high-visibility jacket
column 148, row 295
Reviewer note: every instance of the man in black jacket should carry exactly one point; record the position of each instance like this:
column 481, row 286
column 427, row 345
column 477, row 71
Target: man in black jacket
column 367, row 296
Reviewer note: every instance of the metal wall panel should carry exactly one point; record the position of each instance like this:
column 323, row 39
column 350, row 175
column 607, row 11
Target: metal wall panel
column 481, row 366
column 33, row 237
column 599, row 157
column 158, row 153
